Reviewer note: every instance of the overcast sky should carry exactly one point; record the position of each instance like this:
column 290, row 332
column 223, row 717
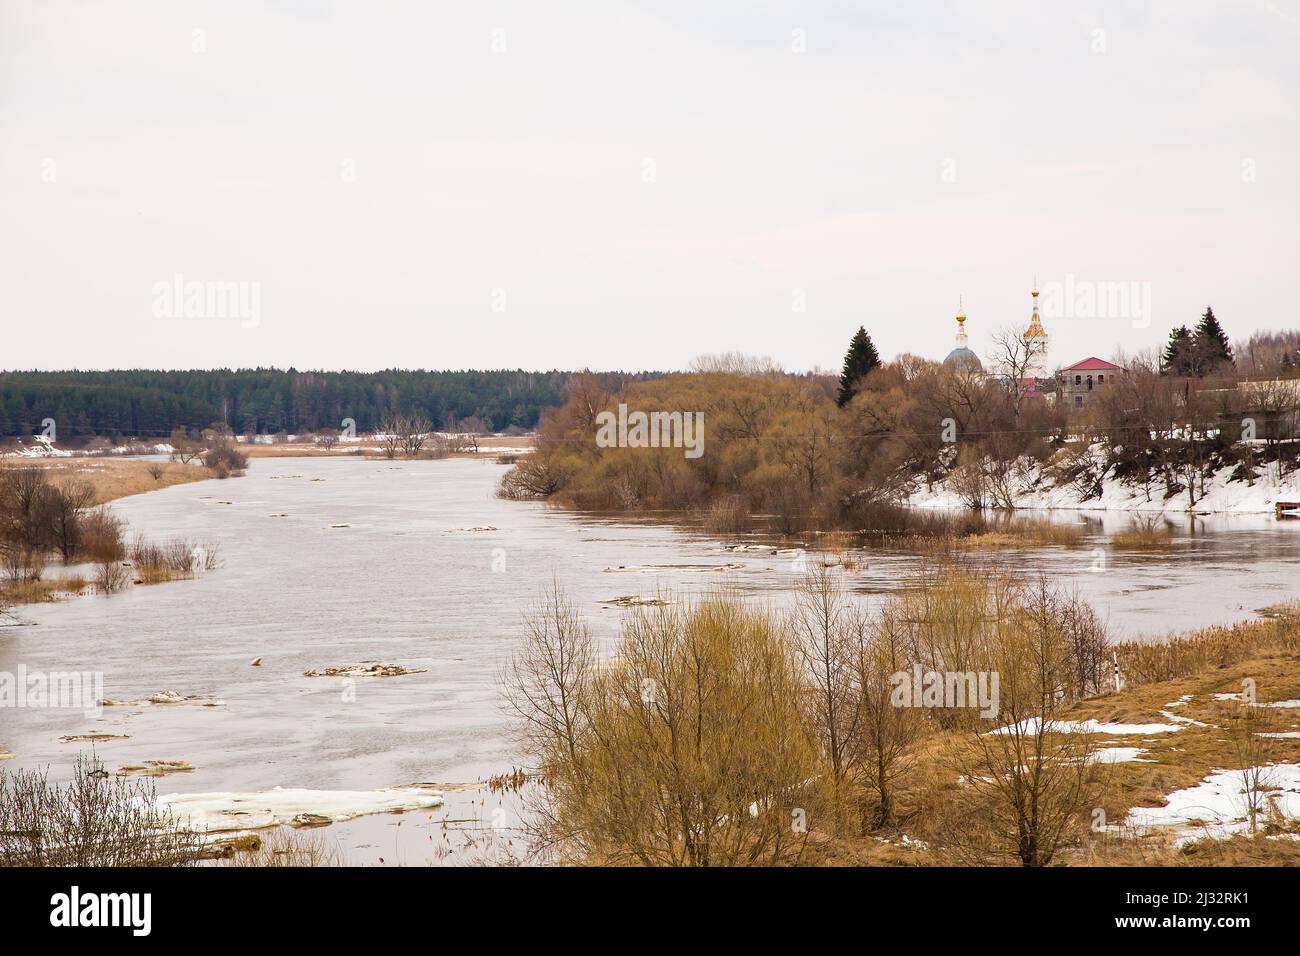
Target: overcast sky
column 628, row 185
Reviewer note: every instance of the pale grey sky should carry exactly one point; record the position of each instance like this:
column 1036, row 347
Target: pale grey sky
column 465, row 185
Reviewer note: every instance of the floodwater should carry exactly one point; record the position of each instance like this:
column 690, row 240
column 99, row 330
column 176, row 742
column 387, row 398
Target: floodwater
column 329, row 562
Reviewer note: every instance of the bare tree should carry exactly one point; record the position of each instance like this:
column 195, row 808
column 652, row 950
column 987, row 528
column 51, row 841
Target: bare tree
column 415, row 432
column 64, row 506
column 327, row 438
column 389, row 438
column 1012, row 358
column 1031, row 779
column 547, row 680
column 1277, row 403
column 886, row 734
column 184, row 448
column 735, row 363
column 823, row 637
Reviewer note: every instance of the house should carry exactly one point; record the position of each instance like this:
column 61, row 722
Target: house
column 1076, row 383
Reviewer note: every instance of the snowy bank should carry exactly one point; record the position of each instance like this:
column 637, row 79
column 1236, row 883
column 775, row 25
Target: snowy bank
column 1032, row 486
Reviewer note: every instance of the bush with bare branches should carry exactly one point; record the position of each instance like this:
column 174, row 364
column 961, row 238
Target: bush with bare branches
column 94, row 820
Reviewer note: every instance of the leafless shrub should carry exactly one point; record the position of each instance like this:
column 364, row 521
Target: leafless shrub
column 532, row 478
column 1030, row 783
column 156, row 563
column 111, row 576
column 21, row 565
column 727, row 515
column 441, row 446
column 211, row 552
column 225, row 459
column 184, row 448
column 1150, row 533
column 693, row 751
column 407, row 435
column 102, row 535
column 95, row 820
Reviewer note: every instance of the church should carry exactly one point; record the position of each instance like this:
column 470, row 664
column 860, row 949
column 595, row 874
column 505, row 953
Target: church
column 1075, row 384
column 1035, row 375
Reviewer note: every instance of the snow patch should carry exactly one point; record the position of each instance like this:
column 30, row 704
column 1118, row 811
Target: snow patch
column 1031, row 726
column 1217, row 806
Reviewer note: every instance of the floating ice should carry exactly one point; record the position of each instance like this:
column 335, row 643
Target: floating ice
column 218, row 812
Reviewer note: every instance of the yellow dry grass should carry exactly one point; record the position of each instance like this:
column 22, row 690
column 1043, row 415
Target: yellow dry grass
column 1143, row 539
column 39, row 592
column 114, row 478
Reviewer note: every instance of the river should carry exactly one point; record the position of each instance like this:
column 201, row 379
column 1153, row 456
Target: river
column 328, row 562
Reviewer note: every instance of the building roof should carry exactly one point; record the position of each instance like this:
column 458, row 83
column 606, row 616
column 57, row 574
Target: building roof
column 1093, row 364
column 1030, row 386
column 964, row 358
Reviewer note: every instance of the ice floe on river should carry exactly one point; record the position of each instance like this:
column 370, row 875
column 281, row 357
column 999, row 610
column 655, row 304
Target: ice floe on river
column 221, row 812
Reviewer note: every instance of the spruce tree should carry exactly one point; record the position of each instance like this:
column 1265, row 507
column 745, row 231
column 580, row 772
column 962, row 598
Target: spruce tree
column 1176, row 360
column 1212, row 348
column 860, row 359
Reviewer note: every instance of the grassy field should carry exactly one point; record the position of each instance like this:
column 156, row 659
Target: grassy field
column 114, row 478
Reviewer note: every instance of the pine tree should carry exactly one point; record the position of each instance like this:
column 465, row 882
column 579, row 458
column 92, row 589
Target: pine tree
column 1212, row 348
column 1177, row 357
column 860, row 359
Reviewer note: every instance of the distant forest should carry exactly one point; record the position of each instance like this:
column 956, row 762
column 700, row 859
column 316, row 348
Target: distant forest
column 143, row 403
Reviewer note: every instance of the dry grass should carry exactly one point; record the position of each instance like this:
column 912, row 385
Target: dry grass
column 1015, row 532
column 1024, row 532
column 1143, row 539
column 283, row 848
column 1211, row 648
column 488, row 446
column 1172, row 761
column 114, row 478
column 40, row 591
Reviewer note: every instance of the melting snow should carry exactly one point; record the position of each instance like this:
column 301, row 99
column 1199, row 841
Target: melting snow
column 1031, row 725
column 216, row 812
column 1217, row 806
column 1120, row 755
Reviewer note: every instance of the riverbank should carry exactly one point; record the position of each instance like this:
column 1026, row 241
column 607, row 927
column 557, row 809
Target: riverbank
column 81, row 546
column 1201, row 770
column 1028, row 484
column 114, row 478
